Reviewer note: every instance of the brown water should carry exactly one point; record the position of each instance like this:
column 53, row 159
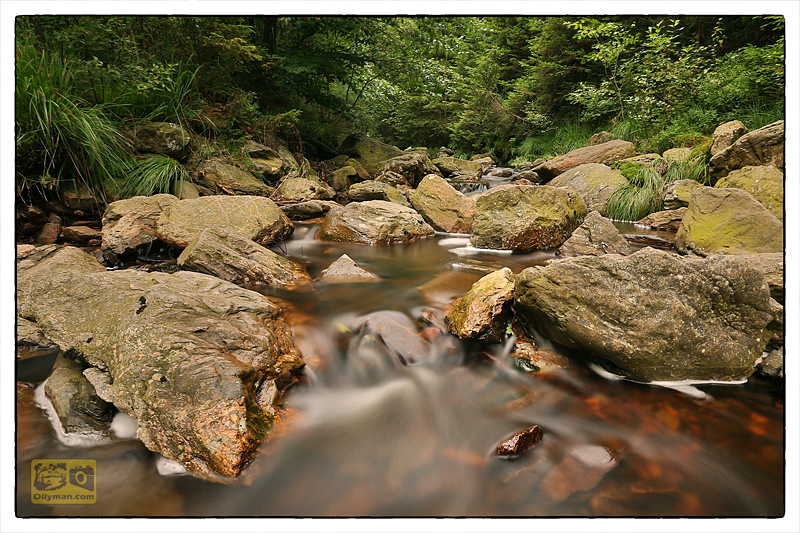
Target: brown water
column 366, row 435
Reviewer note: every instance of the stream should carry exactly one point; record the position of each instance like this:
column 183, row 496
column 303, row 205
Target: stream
column 369, row 433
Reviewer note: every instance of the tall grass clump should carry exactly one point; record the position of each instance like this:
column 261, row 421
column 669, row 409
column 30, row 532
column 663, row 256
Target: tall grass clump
column 59, row 137
column 151, row 175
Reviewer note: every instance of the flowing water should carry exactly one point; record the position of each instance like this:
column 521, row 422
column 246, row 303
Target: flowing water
column 386, row 424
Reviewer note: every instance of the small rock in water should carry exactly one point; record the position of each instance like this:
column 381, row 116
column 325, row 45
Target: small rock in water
column 520, row 441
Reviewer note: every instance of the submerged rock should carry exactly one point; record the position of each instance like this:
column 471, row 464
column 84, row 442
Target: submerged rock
column 483, row 313
column 233, row 257
column 183, row 354
column 728, row 221
column 525, row 217
column 256, row 217
column 442, row 206
column 654, row 315
column 581, row 469
column 596, row 236
column 373, row 222
column 594, row 182
column 603, row 153
column 129, row 225
column 520, row 441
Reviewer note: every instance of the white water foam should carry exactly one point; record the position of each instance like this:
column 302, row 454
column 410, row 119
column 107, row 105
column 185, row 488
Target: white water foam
column 168, row 467
column 124, row 426
column 454, row 240
column 471, row 250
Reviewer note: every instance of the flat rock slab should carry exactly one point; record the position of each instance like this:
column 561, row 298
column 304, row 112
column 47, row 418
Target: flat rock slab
column 373, row 222
column 184, row 354
column 603, row 153
column 256, row 217
column 654, row 315
column 233, row 257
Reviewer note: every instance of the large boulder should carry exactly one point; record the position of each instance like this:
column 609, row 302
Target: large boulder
column 525, row 217
column 412, row 165
column 679, row 192
column 442, row 206
column 371, row 153
column 254, row 216
column 603, row 153
column 765, row 183
column 376, row 190
column 130, row 224
column 373, row 222
column 725, row 135
column 185, row 354
column 302, row 189
column 484, row 312
column 162, row 138
column 596, row 236
column 764, row 146
column 728, row 221
column 771, row 267
column 455, row 168
column 654, row 316
column 233, row 257
column 595, row 183
column 221, row 177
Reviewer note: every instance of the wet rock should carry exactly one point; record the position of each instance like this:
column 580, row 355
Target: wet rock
column 728, row 221
column 669, row 220
column 581, row 469
column 772, row 365
column 162, row 138
column 183, row 353
column 376, row 190
column 308, row 210
column 603, row 153
column 345, row 270
column 233, row 257
column 129, row 225
column 525, row 217
column 454, row 168
column 531, row 358
column 596, row 236
column 224, row 178
column 764, row 146
column 413, row 166
column 442, row 206
column 256, row 217
column 301, row 190
column 373, row 222
column 400, row 338
column 51, row 231
column 371, row 153
column 595, row 183
column 520, row 441
column 654, row 315
column 765, row 183
column 483, row 313
column 725, row 135
column 678, row 193
column 74, row 399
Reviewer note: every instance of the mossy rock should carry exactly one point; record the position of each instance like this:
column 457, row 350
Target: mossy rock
column 765, row 183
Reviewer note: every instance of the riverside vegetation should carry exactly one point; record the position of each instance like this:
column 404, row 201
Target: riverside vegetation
column 168, row 168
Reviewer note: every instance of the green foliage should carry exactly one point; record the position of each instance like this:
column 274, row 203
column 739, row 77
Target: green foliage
column 59, row 137
column 151, row 175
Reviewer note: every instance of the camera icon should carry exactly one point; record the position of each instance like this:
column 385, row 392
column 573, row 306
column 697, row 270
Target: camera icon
column 82, row 476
